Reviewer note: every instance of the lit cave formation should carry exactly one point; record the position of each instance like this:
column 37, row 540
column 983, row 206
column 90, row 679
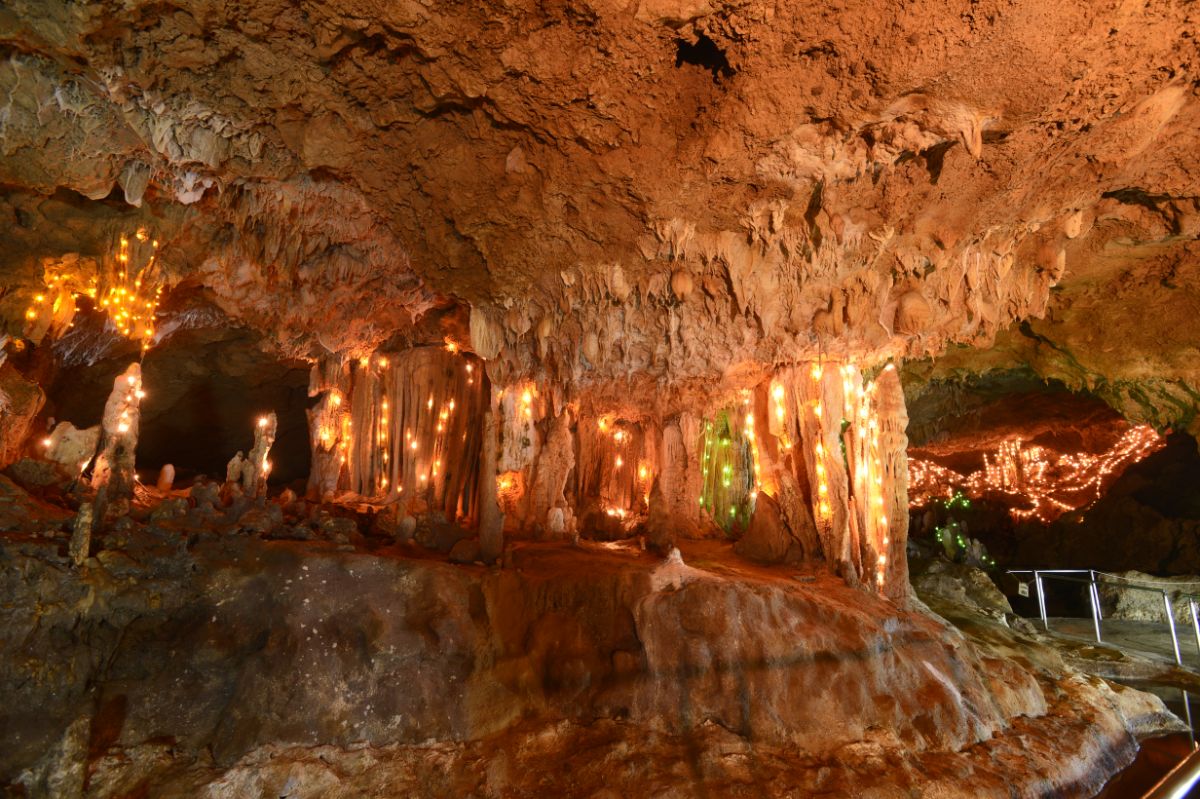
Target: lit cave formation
column 586, row 399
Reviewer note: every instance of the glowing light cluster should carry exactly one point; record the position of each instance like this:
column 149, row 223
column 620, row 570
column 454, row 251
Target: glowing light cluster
column 126, row 291
column 1036, row 482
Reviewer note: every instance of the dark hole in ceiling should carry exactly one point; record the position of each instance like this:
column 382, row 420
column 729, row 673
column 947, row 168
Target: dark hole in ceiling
column 705, row 53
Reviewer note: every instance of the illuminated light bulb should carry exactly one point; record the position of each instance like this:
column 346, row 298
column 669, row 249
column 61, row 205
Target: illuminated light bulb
column 46, row 442
column 451, row 404
column 470, row 368
column 31, row 314
column 527, row 397
column 816, row 373
column 39, row 298
column 620, row 462
column 383, row 363
column 882, row 559
column 424, row 478
column 825, row 508
column 822, row 489
column 123, row 427
column 820, row 448
column 451, row 347
column 364, row 362
column 262, row 421
column 383, row 482
column 777, row 393
column 429, row 404
column 643, row 473
column 413, row 446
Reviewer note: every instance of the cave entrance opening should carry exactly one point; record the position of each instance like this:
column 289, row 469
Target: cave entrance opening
column 205, row 389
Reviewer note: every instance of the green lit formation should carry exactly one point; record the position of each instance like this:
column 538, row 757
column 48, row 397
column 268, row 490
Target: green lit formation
column 959, row 500
column 727, row 471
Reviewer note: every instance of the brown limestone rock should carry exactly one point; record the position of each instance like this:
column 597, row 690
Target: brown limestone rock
column 768, row 539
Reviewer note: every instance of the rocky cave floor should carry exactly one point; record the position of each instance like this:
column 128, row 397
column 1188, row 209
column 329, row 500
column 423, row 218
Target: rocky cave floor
column 215, row 647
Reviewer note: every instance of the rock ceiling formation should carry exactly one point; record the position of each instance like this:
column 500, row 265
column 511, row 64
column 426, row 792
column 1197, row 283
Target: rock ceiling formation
column 665, row 193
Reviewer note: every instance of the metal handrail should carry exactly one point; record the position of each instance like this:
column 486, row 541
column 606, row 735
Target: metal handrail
column 1179, row 781
column 1092, row 582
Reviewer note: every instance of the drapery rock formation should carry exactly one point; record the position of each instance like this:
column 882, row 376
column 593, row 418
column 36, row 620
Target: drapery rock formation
column 592, row 290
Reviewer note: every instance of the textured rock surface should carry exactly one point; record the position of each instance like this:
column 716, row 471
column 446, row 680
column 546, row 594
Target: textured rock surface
column 682, row 190
column 282, row 665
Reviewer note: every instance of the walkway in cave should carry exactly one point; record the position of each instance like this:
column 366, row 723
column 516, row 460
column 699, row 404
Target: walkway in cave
column 1149, row 639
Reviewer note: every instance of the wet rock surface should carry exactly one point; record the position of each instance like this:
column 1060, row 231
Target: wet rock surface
column 233, row 666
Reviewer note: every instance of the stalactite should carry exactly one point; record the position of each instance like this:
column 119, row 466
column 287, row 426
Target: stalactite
column 819, row 400
column 678, row 485
column 851, row 434
column 114, row 476
column 727, row 467
column 491, row 520
column 519, row 410
column 782, row 467
column 551, row 472
column 325, row 424
column 617, row 463
column 400, row 427
column 893, row 449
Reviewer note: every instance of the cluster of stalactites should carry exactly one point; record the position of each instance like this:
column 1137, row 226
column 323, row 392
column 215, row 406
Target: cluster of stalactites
column 618, row 461
column 125, row 286
column 403, row 426
column 729, row 467
column 844, row 435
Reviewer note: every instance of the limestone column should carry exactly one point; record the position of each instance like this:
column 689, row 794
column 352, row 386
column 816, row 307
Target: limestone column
column 257, row 467
column 114, row 476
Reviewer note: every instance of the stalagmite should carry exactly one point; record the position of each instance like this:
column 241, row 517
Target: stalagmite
column 256, row 468
column 114, row 476
column 235, row 468
column 71, row 448
column 81, row 534
column 166, row 478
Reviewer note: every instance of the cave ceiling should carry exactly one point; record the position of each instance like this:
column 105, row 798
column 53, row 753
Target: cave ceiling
column 660, row 193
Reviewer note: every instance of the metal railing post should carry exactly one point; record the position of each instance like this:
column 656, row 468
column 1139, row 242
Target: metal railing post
column 1037, row 579
column 1095, row 606
column 1171, row 622
column 1187, row 710
column 1195, row 622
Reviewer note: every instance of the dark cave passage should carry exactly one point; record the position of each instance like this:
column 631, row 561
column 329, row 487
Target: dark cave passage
column 205, row 389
